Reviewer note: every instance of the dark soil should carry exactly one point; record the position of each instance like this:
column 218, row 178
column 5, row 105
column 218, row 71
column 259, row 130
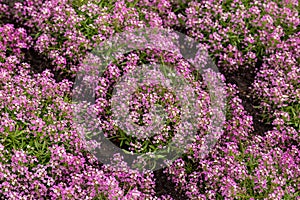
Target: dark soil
column 164, row 186
column 243, row 79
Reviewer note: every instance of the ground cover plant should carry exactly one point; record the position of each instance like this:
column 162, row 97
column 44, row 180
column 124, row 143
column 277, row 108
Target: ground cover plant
column 255, row 46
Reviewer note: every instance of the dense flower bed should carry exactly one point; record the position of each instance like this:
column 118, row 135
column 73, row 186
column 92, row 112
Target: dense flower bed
column 42, row 155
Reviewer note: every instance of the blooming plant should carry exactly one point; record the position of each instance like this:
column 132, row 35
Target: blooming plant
column 253, row 154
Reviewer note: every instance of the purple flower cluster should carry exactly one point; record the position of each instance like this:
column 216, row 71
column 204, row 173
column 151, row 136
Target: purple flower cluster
column 42, row 154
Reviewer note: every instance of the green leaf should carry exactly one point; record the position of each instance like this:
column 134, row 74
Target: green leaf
column 159, row 156
column 36, row 144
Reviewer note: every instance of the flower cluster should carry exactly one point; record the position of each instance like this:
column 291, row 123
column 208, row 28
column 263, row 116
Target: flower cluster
column 42, row 154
